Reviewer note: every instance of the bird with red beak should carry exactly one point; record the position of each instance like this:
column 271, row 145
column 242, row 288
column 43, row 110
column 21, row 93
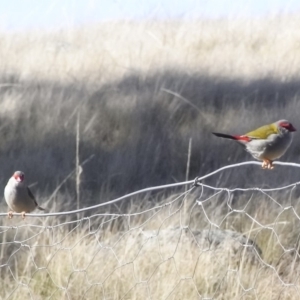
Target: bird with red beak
column 265, row 143
column 18, row 196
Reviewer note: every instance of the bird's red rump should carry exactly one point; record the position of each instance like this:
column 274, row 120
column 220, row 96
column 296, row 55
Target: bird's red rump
column 244, row 138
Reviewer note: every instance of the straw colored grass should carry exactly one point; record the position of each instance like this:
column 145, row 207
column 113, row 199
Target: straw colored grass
column 127, row 98
column 248, row 249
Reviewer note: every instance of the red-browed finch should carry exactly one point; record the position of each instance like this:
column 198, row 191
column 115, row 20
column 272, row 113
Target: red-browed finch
column 266, row 143
column 18, row 196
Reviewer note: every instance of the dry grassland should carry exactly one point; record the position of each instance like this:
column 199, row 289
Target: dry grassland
column 141, row 91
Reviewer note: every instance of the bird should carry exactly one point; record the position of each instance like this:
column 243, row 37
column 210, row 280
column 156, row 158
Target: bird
column 265, row 143
column 18, row 196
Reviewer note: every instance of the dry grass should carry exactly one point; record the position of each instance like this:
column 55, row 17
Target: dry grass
column 155, row 254
column 242, row 48
column 239, row 73
column 233, row 75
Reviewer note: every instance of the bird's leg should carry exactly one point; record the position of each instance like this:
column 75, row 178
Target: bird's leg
column 23, row 214
column 10, row 214
column 267, row 164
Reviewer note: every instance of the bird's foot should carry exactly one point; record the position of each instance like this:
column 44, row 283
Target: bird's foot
column 267, row 164
column 23, row 215
column 10, row 214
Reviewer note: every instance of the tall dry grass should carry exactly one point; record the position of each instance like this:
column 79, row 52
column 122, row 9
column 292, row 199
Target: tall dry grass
column 242, row 245
column 125, row 79
column 142, row 91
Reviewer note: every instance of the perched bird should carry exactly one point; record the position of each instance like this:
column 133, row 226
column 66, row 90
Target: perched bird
column 266, row 143
column 18, row 196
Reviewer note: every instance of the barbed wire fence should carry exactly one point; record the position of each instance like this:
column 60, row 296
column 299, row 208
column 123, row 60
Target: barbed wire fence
column 200, row 242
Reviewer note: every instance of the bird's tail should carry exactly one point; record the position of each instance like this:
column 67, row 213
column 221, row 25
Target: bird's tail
column 40, row 208
column 240, row 138
column 226, row 136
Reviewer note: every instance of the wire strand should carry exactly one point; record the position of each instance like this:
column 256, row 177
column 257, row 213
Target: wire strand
column 172, row 185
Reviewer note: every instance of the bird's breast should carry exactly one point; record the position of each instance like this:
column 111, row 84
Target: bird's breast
column 276, row 145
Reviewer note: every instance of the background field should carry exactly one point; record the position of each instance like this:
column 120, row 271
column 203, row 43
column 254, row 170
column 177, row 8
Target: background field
column 240, row 74
column 142, row 90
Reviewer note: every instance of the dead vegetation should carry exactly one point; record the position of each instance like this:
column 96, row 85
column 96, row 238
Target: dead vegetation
column 142, row 90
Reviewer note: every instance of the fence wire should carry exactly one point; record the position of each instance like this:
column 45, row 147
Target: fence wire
column 205, row 242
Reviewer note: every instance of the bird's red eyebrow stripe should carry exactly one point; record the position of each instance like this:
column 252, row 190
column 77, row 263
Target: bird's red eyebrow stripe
column 242, row 138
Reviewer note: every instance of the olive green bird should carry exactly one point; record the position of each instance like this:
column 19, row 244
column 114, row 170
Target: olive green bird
column 265, row 143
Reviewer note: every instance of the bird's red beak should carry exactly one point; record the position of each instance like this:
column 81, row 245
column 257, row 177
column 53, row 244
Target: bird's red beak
column 288, row 126
column 18, row 178
column 291, row 128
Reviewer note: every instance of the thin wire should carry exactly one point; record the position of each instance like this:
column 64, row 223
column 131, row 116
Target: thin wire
column 198, row 180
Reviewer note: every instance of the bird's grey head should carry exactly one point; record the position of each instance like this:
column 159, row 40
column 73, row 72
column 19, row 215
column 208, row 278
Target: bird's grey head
column 19, row 176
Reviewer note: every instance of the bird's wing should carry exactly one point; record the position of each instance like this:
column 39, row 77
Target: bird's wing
column 262, row 132
column 31, row 196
